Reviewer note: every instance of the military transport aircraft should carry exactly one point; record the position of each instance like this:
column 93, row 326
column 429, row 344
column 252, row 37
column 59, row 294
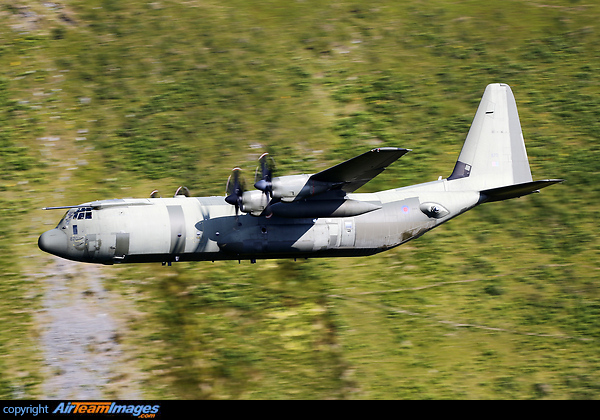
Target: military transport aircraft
column 301, row 216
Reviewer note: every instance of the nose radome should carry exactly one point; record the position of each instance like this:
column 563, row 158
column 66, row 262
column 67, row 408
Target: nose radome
column 54, row 242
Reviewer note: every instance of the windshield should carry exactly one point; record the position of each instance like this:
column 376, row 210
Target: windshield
column 82, row 213
column 78, row 213
column 62, row 221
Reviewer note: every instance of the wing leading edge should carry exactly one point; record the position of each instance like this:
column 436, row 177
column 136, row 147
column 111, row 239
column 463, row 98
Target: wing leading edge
column 356, row 172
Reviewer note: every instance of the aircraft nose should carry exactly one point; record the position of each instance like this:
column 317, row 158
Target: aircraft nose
column 54, row 242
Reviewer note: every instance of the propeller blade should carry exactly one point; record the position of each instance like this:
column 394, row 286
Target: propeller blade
column 182, row 191
column 263, row 179
column 235, row 189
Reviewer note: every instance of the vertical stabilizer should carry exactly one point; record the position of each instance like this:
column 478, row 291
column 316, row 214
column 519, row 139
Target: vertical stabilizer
column 494, row 153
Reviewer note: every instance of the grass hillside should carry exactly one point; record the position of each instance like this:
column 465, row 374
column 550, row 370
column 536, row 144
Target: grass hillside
column 106, row 98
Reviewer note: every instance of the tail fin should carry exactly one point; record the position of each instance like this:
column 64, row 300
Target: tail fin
column 494, row 153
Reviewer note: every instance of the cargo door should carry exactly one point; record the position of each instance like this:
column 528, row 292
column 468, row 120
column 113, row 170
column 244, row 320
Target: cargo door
column 121, row 245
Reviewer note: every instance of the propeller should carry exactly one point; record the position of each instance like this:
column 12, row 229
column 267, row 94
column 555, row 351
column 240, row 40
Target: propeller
column 264, row 179
column 235, row 189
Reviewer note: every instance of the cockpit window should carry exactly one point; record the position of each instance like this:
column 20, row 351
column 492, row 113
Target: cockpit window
column 77, row 213
column 82, row 213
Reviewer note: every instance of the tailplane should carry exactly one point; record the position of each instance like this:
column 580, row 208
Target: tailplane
column 517, row 190
column 493, row 159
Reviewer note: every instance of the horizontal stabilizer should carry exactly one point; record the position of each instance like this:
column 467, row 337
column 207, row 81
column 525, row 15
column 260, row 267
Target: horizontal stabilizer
column 514, row 191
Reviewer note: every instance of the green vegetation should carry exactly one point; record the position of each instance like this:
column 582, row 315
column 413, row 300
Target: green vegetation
column 104, row 98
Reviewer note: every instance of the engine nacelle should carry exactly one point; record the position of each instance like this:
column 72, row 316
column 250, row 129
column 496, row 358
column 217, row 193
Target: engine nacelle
column 298, row 187
column 254, row 202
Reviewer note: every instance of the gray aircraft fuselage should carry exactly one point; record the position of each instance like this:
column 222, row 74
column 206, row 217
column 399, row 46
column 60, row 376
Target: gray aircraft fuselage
column 207, row 229
column 316, row 215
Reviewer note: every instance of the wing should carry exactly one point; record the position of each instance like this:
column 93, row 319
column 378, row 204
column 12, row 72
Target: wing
column 356, row 172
